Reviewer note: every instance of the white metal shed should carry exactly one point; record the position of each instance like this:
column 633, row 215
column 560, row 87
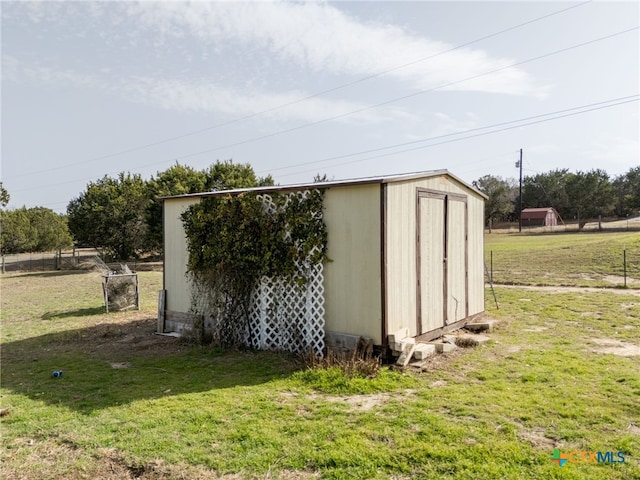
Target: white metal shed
column 406, row 251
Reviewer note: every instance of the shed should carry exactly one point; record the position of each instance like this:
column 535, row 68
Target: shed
column 545, row 217
column 406, row 252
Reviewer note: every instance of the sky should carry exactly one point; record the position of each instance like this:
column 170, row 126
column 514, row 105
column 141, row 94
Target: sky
column 346, row 89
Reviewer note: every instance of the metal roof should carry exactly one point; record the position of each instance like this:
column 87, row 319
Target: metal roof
column 334, row 183
column 536, row 213
column 541, row 209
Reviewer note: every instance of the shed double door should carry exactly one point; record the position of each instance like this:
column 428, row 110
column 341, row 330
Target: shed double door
column 442, row 260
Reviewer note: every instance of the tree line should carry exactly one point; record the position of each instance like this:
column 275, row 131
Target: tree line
column 122, row 216
column 576, row 196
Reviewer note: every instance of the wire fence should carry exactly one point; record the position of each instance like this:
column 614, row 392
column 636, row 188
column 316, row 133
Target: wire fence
column 76, row 259
column 47, row 261
column 629, row 224
column 582, row 266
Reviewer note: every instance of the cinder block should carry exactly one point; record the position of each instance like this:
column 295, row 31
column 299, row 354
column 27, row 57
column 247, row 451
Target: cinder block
column 341, row 342
column 398, row 335
column 444, row 347
column 424, row 350
column 483, row 326
column 417, row 363
column 401, row 344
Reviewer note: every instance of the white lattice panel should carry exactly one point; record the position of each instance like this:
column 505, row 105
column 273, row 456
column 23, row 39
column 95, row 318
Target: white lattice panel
column 284, row 314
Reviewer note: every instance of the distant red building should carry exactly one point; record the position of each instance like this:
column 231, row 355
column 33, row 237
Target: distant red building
column 539, row 217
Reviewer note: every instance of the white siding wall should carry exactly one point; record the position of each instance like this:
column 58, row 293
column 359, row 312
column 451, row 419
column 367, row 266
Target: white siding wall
column 476, row 254
column 352, row 280
column 175, row 255
column 401, row 248
column 401, row 257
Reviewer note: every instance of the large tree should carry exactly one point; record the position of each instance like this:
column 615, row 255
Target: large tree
column 227, row 175
column 50, row 230
column 4, row 196
column 176, row 180
column 180, row 180
column 548, row 190
column 627, row 190
column 36, row 229
column 501, row 195
column 591, row 194
column 15, row 235
column 110, row 215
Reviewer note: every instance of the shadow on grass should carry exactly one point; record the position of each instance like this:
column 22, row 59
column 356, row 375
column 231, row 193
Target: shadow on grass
column 115, row 364
column 81, row 312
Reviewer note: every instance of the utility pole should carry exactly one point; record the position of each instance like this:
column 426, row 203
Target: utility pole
column 519, row 164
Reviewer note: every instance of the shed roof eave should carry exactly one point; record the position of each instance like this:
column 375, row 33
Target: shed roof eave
column 330, row 184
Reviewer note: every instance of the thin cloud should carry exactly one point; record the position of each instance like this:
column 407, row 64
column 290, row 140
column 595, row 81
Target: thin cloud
column 199, row 96
column 15, row 70
column 322, row 38
column 208, row 97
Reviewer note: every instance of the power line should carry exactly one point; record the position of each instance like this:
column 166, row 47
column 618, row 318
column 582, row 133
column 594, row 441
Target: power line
column 450, row 134
column 405, row 97
column 558, row 114
column 308, row 97
column 468, row 137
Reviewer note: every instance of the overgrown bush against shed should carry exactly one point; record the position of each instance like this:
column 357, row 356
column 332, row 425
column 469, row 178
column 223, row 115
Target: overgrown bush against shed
column 255, row 268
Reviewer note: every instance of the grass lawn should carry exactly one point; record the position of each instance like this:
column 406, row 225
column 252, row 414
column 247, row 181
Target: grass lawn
column 131, row 404
column 590, row 259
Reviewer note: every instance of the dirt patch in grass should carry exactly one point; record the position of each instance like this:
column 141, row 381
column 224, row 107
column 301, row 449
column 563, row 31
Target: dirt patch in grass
column 537, row 438
column 619, row 280
column 615, row 347
column 629, row 305
column 122, row 337
column 121, row 365
column 368, row 402
column 443, row 362
column 107, row 464
column 534, row 329
column 356, row 403
column 361, row 403
column 438, row 383
column 555, row 289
